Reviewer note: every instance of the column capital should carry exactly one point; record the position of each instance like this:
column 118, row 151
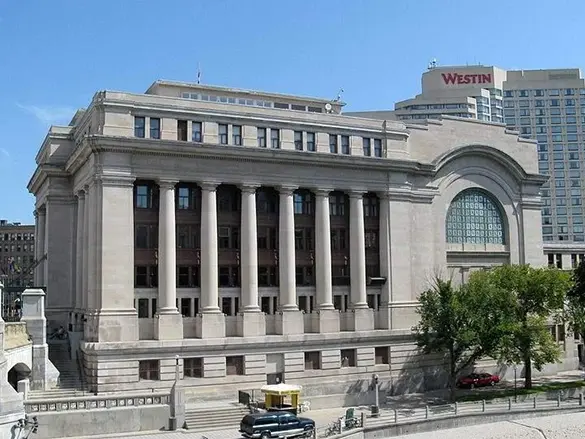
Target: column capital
column 115, row 180
column 41, row 210
column 167, row 184
column 322, row 192
column 356, row 193
column 286, row 189
column 80, row 194
column 249, row 188
column 209, row 185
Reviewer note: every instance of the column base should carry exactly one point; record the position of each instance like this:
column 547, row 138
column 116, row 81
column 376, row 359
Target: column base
column 112, row 325
column 363, row 319
column 210, row 325
column 290, row 322
column 168, row 326
column 327, row 321
column 251, row 324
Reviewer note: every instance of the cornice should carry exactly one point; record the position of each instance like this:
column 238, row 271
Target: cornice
column 173, row 148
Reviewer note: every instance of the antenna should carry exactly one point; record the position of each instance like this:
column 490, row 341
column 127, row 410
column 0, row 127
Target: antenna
column 338, row 98
column 433, row 64
column 198, row 73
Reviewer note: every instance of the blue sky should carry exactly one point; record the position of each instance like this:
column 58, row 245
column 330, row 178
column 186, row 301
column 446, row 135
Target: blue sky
column 54, row 54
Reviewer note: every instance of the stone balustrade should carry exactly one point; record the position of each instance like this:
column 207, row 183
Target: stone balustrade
column 96, row 402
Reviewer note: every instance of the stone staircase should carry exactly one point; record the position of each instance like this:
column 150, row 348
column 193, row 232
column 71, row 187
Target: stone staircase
column 70, row 383
column 215, row 418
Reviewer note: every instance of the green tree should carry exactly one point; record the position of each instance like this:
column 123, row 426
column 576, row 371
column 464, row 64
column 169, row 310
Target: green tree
column 575, row 305
column 465, row 323
column 535, row 295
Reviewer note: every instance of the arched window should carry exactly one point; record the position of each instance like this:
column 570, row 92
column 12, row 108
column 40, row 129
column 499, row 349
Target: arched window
column 475, row 218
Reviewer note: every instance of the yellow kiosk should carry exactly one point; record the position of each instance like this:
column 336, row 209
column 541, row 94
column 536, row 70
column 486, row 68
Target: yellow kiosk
column 282, row 397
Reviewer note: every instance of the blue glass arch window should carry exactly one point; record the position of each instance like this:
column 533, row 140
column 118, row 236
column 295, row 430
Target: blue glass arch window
column 475, row 218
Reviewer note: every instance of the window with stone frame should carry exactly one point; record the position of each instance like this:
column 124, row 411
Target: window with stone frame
column 234, row 365
column 193, row 367
column 348, row 358
column 312, row 360
column 382, row 355
column 305, row 276
column 229, row 237
column 149, row 370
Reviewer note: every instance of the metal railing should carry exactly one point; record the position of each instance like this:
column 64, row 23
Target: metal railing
column 392, row 416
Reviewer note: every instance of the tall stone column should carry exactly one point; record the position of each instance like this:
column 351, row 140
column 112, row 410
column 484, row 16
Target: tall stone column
column 290, row 320
column 85, row 250
column 362, row 314
column 79, row 241
column 168, row 320
column 251, row 322
column 40, row 246
column 385, row 261
column 211, row 322
column 328, row 318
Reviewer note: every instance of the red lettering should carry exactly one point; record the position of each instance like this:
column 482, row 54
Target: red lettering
column 449, row 78
column 473, row 78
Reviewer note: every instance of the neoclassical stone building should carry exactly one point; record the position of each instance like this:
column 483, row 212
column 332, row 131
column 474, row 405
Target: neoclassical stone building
column 263, row 236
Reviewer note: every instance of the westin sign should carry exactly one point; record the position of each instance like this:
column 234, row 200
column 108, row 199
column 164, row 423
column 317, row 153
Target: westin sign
column 459, row 79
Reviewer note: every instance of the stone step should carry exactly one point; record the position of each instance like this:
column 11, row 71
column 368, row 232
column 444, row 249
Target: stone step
column 215, row 419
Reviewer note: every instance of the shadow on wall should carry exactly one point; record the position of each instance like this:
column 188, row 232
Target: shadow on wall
column 420, row 373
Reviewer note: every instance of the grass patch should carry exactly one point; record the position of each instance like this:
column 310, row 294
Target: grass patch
column 507, row 392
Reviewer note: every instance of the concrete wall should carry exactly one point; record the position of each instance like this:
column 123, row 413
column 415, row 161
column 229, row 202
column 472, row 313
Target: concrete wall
column 102, row 422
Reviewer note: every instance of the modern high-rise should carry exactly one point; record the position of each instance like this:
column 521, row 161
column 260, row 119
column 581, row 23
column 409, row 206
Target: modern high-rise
column 17, row 254
column 545, row 105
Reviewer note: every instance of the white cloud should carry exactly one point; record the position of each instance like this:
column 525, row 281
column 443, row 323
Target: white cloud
column 49, row 115
column 4, row 152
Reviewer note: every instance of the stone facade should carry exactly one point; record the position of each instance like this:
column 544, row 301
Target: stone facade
column 116, row 189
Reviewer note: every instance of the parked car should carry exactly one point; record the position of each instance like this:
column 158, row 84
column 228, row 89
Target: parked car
column 270, row 424
column 478, row 380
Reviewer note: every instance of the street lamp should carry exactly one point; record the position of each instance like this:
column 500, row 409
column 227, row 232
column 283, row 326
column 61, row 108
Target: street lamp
column 515, row 386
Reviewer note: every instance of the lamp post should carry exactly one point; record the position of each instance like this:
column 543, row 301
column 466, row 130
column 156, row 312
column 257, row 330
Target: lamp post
column 515, row 385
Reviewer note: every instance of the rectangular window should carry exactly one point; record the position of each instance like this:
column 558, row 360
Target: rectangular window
column 222, row 132
column 275, row 138
column 311, row 142
column 186, row 306
column 182, row 130
column 312, row 360
column 333, row 143
column 299, row 140
column 237, row 135
column 139, row 126
column 382, row 355
column 262, row 137
column 377, row 148
column 154, row 128
column 234, row 365
column 193, row 367
column 197, row 132
column 348, row 358
column 149, row 370
column 366, row 143
column 143, row 308
column 345, row 145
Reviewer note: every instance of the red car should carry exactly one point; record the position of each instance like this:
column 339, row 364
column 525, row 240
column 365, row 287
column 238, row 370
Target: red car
column 478, row 380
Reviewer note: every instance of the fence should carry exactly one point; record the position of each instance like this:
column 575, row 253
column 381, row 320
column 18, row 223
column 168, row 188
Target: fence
column 398, row 415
